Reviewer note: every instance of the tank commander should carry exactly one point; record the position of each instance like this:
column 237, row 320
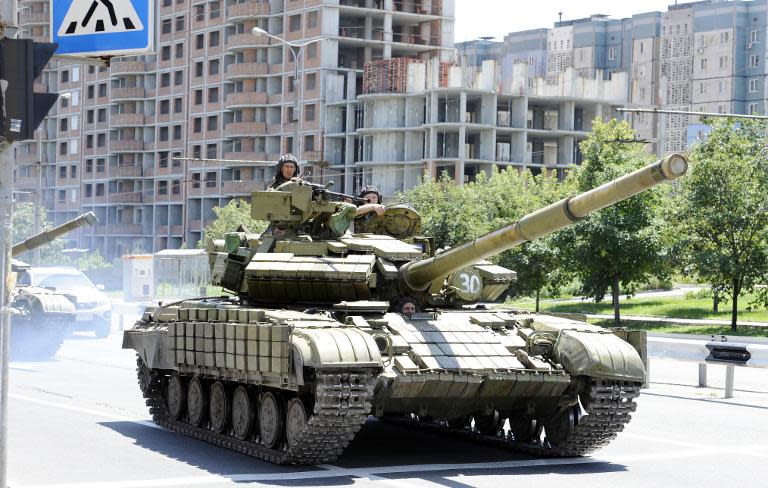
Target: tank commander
column 372, row 197
column 287, row 170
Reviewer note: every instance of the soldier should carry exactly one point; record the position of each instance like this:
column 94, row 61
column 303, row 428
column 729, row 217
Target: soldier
column 287, row 170
column 372, row 196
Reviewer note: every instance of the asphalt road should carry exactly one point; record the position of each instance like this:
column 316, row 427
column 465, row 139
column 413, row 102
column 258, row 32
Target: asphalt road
column 79, row 421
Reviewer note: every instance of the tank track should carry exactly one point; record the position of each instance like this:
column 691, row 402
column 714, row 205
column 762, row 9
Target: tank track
column 607, row 404
column 342, row 404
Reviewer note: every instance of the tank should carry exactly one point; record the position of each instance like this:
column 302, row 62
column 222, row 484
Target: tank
column 40, row 318
column 321, row 328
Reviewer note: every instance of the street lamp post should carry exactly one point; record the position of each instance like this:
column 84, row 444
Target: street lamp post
column 296, row 49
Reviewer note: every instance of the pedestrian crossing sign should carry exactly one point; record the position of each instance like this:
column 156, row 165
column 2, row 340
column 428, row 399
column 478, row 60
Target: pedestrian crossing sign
column 102, row 27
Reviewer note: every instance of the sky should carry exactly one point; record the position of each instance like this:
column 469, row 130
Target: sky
column 476, row 18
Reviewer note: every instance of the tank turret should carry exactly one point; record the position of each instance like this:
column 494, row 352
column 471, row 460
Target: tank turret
column 326, row 325
column 47, row 236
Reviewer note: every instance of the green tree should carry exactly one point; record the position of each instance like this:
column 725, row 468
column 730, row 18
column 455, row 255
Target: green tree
column 722, row 210
column 622, row 245
column 539, row 267
column 231, row 216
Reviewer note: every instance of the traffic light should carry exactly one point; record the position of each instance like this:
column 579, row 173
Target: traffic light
column 21, row 109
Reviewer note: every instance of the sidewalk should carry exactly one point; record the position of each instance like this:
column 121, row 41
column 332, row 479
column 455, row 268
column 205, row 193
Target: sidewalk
column 670, row 320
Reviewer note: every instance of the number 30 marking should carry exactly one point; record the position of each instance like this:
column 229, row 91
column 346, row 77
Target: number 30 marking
column 470, row 283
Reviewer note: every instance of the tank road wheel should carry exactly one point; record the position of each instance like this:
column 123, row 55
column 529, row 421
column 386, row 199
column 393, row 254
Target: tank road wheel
column 242, row 413
column 197, row 402
column 488, row 424
column 270, row 419
column 219, row 407
column 523, row 428
column 295, row 421
column 175, row 396
column 559, row 427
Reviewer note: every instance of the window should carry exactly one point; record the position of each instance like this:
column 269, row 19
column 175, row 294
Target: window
column 73, row 171
column 311, row 81
column 199, row 69
column 754, row 61
column 213, row 39
column 176, row 187
column 166, row 3
column 89, row 165
column 89, row 141
column 213, row 95
column 752, row 109
column 290, row 84
column 165, row 107
column 611, row 53
column 213, row 67
column 165, row 80
column 101, row 140
column 753, row 36
column 210, row 151
column 199, row 41
column 88, row 190
column 294, row 23
column 724, row 36
column 702, row 88
column 198, row 97
column 165, row 53
column 64, row 124
column 165, row 26
column 210, row 179
column 753, row 85
column 90, row 92
column 312, row 51
column 62, row 195
column 179, row 50
column 64, row 77
column 101, row 115
column 215, row 10
column 312, row 19
column 641, row 48
column 200, row 12
column 100, row 165
column 163, row 136
column 309, row 112
column 178, row 105
column 723, row 62
column 163, row 162
column 178, row 78
column 703, row 63
column 289, row 115
column 100, row 190
column 62, row 148
column 213, row 122
column 64, row 102
column 179, row 23
column 102, row 90
column 177, row 132
column 197, row 125
column 309, row 143
column 197, row 151
column 162, row 187
column 62, row 171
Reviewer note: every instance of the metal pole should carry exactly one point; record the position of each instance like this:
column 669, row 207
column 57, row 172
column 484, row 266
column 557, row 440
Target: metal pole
column 8, row 27
column 38, row 199
column 702, row 375
column 729, row 370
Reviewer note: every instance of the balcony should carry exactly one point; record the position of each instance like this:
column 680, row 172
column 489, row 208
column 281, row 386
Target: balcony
column 246, row 70
column 125, row 170
column 246, row 156
column 244, row 129
column 26, row 183
column 133, row 93
column 129, row 120
column 34, row 18
column 239, row 42
column 125, row 197
column 127, row 146
column 246, row 11
column 127, row 67
column 125, row 229
column 246, row 99
column 238, row 187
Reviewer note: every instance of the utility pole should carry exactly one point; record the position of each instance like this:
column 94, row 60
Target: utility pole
column 8, row 28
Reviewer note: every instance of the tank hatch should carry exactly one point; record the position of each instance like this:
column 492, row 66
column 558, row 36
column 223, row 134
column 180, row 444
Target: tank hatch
column 399, row 221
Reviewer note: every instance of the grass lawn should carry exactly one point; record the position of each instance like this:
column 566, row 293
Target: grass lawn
column 717, row 330
column 676, row 307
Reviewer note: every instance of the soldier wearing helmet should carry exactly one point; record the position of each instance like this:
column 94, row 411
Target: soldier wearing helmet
column 287, row 170
column 372, row 197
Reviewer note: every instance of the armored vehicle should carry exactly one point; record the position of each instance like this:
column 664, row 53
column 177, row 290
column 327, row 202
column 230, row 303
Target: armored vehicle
column 40, row 318
column 323, row 329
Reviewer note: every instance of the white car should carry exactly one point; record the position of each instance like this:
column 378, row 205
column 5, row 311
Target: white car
column 93, row 308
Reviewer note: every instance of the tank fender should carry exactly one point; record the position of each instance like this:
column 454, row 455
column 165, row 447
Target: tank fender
column 600, row 355
column 152, row 346
column 336, row 347
column 298, row 362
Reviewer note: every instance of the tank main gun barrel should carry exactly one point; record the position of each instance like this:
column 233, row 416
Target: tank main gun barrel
column 47, row 236
column 418, row 275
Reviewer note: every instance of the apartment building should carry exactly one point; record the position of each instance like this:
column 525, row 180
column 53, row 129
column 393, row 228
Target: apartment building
column 153, row 143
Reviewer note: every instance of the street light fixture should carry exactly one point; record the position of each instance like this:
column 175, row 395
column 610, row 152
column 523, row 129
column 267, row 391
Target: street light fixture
column 296, row 49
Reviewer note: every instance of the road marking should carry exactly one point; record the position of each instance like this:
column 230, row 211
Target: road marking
column 98, row 413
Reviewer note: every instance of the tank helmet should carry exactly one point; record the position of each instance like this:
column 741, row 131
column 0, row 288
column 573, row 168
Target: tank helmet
column 369, row 189
column 287, row 158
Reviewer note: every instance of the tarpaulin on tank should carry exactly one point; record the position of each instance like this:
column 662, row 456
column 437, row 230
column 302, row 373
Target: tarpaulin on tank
column 335, row 347
column 599, row 355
